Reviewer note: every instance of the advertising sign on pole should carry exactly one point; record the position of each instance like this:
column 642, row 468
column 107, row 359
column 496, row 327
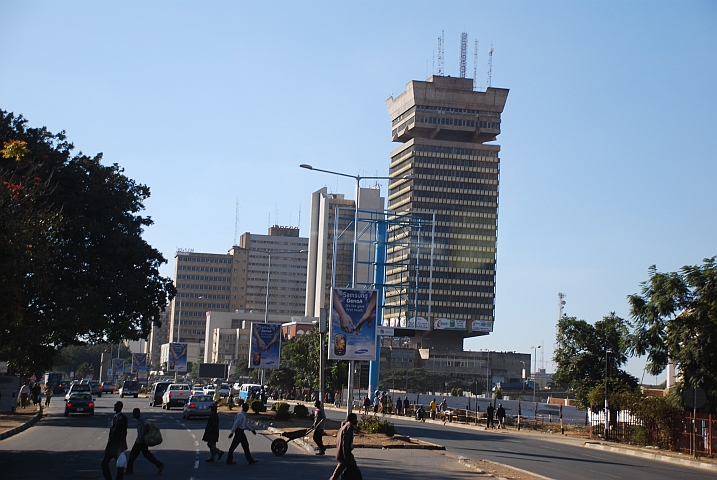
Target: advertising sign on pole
column 117, row 366
column 139, row 360
column 264, row 345
column 177, row 357
column 143, row 375
column 352, row 330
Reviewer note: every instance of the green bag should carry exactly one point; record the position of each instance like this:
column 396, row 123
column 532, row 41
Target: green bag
column 153, row 436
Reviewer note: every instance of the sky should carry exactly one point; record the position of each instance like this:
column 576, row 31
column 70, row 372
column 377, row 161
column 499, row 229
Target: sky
column 608, row 138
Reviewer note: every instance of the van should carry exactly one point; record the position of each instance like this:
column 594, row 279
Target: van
column 129, row 387
column 249, row 390
column 157, row 392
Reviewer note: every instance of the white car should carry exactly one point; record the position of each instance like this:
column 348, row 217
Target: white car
column 176, row 395
column 209, row 390
column 224, row 390
column 198, row 391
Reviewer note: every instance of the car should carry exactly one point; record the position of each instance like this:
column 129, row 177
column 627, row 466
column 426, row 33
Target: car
column 209, row 390
column 107, row 387
column 224, row 390
column 176, row 395
column 249, row 390
column 78, row 388
column 198, row 390
column 197, row 406
column 129, row 387
column 95, row 387
column 80, row 403
column 157, row 392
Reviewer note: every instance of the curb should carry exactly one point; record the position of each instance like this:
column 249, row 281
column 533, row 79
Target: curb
column 23, row 427
column 652, row 456
column 462, row 461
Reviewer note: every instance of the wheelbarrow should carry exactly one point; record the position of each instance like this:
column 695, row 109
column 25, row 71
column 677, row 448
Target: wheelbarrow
column 280, row 445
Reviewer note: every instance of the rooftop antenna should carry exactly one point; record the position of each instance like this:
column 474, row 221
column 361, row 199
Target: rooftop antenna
column 276, row 214
column 298, row 223
column 464, row 46
column 236, row 222
column 490, row 64
column 440, row 54
column 475, row 66
column 561, row 314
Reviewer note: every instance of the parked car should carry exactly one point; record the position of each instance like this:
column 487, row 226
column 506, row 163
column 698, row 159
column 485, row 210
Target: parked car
column 107, row 387
column 176, row 395
column 197, row 406
column 80, row 403
column 224, row 390
column 129, row 387
column 78, row 388
column 157, row 392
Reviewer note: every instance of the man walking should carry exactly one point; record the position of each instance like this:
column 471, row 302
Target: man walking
column 141, row 446
column 500, row 413
column 489, row 416
column 211, row 434
column 319, row 421
column 48, row 395
column 434, row 409
column 240, row 424
column 344, row 445
column 116, row 443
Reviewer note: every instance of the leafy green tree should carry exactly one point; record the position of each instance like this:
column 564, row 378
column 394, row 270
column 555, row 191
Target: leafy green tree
column 583, row 351
column 675, row 318
column 73, row 265
column 85, row 370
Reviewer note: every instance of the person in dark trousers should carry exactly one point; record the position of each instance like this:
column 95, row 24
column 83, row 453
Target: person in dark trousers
column 141, row 447
column 116, row 443
column 500, row 414
column 489, row 419
column 344, row 445
column 319, row 422
column 406, row 406
column 240, row 424
column 211, row 434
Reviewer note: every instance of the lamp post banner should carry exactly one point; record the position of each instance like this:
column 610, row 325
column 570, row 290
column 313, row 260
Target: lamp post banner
column 352, row 333
column 177, row 357
column 117, row 366
column 265, row 345
column 139, row 360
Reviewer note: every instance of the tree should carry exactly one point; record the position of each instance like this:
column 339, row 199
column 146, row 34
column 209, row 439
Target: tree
column 675, row 319
column 74, row 268
column 582, row 353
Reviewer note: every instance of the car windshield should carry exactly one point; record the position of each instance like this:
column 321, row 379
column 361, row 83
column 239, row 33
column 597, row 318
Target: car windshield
column 202, row 398
column 80, row 387
column 80, row 396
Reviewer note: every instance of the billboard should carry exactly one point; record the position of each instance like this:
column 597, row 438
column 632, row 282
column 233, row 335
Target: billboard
column 448, row 324
column 264, row 345
column 385, row 332
column 177, row 357
column 482, row 325
column 213, row 370
column 117, row 366
column 139, row 361
column 352, row 329
column 143, row 376
column 413, row 323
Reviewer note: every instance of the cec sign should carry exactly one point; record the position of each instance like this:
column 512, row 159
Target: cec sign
column 449, row 324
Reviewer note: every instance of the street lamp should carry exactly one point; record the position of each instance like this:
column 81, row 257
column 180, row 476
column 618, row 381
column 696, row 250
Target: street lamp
column 521, row 361
column 535, row 369
column 487, row 367
column 354, row 263
column 607, row 409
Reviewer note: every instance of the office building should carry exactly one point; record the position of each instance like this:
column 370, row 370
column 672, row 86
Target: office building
column 445, row 128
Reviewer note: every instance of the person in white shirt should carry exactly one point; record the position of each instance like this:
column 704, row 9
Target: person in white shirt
column 240, row 424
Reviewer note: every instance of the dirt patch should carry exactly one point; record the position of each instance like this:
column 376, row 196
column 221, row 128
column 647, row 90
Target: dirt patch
column 499, row 470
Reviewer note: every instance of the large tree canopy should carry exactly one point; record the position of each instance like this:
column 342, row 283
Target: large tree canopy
column 73, row 265
column 583, row 351
column 676, row 319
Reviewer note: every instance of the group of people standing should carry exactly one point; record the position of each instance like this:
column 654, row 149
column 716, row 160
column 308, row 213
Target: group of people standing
column 32, row 393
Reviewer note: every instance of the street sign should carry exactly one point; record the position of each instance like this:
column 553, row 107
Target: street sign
column 695, row 397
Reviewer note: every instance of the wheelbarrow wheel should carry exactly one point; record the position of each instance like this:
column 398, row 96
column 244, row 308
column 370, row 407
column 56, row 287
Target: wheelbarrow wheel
column 279, row 447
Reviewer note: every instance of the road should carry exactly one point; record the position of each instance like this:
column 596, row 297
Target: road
column 558, row 460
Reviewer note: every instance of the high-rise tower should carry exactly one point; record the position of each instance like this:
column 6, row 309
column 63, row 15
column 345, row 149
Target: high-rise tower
column 444, row 126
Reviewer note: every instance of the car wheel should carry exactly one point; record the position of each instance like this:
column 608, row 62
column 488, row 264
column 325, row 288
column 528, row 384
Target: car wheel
column 121, row 395
column 66, row 413
column 136, row 395
column 99, row 395
column 92, row 413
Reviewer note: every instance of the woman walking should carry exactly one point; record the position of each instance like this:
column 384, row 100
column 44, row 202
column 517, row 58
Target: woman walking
column 211, row 434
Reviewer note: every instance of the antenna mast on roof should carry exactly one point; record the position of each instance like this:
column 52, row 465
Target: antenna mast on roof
column 236, row 222
column 440, row 54
column 464, row 47
column 490, row 64
column 475, row 67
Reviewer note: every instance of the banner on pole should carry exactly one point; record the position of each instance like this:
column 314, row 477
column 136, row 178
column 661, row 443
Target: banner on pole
column 117, row 366
column 264, row 345
column 352, row 330
column 139, row 360
column 177, row 357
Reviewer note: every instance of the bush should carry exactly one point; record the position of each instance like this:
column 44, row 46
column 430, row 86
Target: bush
column 282, row 411
column 372, row 424
column 301, row 411
column 257, row 406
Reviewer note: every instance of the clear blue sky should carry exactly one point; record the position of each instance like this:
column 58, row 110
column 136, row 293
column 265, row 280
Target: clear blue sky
column 609, row 135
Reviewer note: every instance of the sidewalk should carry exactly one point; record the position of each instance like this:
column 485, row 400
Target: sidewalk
column 21, row 419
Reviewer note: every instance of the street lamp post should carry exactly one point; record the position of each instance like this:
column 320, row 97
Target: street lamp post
column 487, row 367
column 521, row 361
column 354, row 263
column 607, row 409
column 535, row 368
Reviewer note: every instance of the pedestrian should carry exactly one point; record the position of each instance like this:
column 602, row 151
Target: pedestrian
column 399, row 406
column 434, row 409
column 489, row 416
column 406, row 406
column 116, row 443
column 500, row 413
column 211, row 434
column 240, row 424
column 36, row 390
column 376, row 403
column 319, row 425
column 444, row 406
column 140, row 446
column 344, row 445
column 366, row 404
column 24, row 395
column 48, row 395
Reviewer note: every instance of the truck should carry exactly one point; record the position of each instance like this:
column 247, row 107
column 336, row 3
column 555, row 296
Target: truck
column 54, row 380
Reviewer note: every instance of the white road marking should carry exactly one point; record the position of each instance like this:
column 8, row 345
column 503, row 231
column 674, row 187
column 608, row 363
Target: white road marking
column 196, row 443
column 193, row 436
column 603, row 473
column 196, row 464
